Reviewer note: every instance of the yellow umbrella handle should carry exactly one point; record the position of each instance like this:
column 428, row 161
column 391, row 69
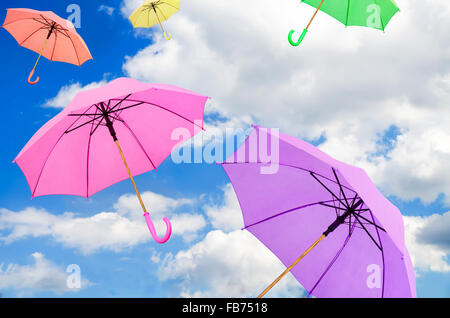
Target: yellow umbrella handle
column 167, row 37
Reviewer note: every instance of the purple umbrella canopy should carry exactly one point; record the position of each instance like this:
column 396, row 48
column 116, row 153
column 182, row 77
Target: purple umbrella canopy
column 304, row 200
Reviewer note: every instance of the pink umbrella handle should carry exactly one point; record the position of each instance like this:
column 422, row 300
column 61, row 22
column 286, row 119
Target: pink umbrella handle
column 151, row 227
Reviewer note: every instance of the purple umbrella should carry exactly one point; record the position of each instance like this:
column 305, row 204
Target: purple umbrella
column 309, row 197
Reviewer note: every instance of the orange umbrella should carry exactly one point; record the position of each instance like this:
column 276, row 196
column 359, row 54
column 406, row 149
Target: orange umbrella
column 47, row 34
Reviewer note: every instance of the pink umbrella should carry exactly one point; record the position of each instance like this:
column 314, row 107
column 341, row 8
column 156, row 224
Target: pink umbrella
column 72, row 154
column 35, row 29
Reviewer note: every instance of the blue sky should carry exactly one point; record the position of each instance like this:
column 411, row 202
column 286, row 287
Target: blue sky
column 200, row 191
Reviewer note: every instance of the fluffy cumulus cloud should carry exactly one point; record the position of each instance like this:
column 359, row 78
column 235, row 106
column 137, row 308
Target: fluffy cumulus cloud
column 226, row 215
column 42, row 275
column 123, row 228
column 347, row 84
column 428, row 240
column 227, row 262
column 68, row 92
column 231, row 262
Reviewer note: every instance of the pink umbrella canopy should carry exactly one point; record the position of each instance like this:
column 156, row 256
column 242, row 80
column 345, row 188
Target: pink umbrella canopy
column 75, row 152
column 359, row 248
column 47, row 34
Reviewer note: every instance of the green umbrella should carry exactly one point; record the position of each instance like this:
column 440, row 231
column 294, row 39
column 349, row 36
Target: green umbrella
column 368, row 13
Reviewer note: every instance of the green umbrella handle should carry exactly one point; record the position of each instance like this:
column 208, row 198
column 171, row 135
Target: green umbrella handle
column 299, row 40
column 305, row 30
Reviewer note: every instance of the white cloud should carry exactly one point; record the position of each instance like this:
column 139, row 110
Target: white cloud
column 127, row 7
column 226, row 216
column 68, row 92
column 42, row 275
column 349, row 84
column 107, row 9
column 428, row 240
column 231, row 264
column 114, row 231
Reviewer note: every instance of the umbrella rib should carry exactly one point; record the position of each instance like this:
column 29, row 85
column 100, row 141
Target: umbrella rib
column 83, row 124
column 336, row 209
column 332, row 206
column 284, row 212
column 168, row 110
column 354, row 199
column 120, row 102
column 137, row 140
column 98, row 125
column 348, row 11
column 41, row 28
column 334, row 258
column 367, row 232
column 382, row 254
column 312, row 174
column 333, row 261
column 61, row 31
column 165, row 19
column 371, row 223
column 48, row 22
column 163, row 2
column 50, row 152
column 340, row 187
column 126, row 107
column 331, row 180
column 87, row 160
column 74, row 48
column 54, row 46
column 37, row 20
column 290, row 166
column 21, row 19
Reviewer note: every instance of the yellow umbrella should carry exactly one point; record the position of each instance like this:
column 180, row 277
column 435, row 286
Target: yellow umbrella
column 153, row 12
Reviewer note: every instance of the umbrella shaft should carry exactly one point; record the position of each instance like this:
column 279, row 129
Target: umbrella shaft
column 154, row 9
column 333, row 226
column 45, row 44
column 131, row 176
column 40, row 54
column 51, row 30
column 112, row 131
column 318, row 8
column 287, row 270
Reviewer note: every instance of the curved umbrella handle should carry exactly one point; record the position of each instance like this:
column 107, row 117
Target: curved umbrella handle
column 168, row 37
column 151, row 227
column 302, row 36
column 30, row 76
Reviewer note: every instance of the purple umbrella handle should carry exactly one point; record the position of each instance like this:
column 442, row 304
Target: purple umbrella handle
column 151, row 227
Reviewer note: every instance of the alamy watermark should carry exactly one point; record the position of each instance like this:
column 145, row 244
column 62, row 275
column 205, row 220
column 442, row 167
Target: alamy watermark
column 73, row 280
column 374, row 18
column 374, row 277
column 75, row 15
column 218, row 145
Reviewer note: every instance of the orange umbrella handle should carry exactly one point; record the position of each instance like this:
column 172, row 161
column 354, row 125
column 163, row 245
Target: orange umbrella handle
column 30, row 76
